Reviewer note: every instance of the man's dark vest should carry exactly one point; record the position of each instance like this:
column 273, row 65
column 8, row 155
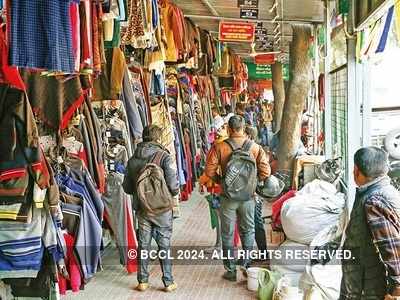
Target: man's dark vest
column 365, row 277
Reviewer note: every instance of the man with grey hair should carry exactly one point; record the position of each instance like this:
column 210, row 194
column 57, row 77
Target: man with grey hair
column 373, row 233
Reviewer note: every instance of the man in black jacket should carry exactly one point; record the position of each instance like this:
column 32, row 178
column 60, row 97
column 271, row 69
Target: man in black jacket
column 158, row 226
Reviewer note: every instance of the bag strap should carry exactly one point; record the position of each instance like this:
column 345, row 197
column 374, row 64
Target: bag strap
column 247, row 145
column 157, row 158
column 232, row 144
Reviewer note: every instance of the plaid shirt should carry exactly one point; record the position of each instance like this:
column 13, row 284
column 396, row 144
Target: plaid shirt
column 384, row 224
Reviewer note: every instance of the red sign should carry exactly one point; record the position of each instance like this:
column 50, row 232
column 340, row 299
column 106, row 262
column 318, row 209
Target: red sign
column 236, row 32
column 265, row 59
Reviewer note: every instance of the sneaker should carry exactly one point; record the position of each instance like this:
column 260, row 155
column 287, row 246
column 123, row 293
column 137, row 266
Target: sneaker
column 141, row 287
column 231, row 276
column 172, row 287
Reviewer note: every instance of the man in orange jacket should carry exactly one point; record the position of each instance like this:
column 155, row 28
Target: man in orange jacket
column 218, row 159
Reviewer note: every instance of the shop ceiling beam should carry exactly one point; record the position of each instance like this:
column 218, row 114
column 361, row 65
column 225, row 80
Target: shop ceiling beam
column 287, row 21
column 210, row 7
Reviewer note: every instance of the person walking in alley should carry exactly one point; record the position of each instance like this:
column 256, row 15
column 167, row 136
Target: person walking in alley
column 213, row 188
column 373, row 232
column 153, row 181
column 260, row 234
column 242, row 162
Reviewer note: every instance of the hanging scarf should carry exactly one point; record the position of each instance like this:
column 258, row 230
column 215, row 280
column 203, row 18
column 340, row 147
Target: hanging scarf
column 385, row 32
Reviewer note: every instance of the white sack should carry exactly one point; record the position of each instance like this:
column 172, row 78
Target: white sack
column 324, row 280
column 314, row 208
column 291, row 268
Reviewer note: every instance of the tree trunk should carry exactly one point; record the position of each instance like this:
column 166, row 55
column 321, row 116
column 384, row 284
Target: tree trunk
column 300, row 67
column 278, row 88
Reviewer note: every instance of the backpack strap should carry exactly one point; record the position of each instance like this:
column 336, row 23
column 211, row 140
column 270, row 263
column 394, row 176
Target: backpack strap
column 232, row 144
column 247, row 145
column 157, row 158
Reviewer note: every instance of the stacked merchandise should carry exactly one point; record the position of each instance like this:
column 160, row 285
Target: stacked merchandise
column 29, row 197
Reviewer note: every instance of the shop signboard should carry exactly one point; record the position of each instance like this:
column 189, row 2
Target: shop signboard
column 259, row 72
column 236, row 32
column 249, row 13
column 248, row 3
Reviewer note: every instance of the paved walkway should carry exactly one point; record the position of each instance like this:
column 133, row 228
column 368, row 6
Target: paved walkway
column 194, row 282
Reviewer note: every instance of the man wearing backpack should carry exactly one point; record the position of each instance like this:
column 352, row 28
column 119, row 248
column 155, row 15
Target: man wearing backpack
column 153, row 181
column 242, row 162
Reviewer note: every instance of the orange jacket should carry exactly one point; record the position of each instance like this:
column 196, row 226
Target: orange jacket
column 219, row 155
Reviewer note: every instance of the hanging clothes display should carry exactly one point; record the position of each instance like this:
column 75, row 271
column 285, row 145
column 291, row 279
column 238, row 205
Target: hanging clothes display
column 117, row 151
column 79, row 82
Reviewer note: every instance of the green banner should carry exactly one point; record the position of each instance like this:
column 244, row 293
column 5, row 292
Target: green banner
column 257, row 72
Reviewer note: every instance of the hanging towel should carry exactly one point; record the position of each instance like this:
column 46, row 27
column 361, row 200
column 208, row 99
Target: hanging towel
column 386, row 29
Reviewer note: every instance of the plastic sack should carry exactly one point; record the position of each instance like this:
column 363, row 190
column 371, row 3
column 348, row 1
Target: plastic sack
column 322, row 282
column 290, row 268
column 315, row 207
column 287, row 291
column 318, row 188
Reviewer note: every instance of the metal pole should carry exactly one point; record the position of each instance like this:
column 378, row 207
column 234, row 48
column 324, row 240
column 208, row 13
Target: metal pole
column 210, row 7
column 327, row 83
column 286, row 21
column 316, row 112
column 353, row 109
column 366, row 104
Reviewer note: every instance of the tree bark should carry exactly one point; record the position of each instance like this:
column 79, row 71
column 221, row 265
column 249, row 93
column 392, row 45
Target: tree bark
column 278, row 88
column 300, row 67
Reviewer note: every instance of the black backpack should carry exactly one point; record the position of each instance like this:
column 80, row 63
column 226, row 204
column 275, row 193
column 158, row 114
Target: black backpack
column 152, row 190
column 240, row 179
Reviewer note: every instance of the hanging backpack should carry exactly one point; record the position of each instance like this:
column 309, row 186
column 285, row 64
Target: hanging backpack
column 152, row 190
column 240, row 180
